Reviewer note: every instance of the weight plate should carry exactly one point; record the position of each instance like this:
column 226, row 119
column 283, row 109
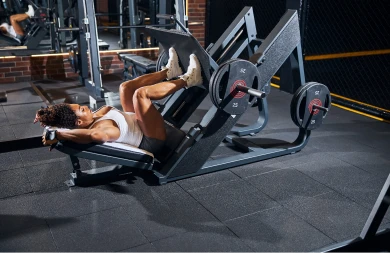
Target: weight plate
column 212, row 86
column 223, row 90
column 215, row 87
column 303, row 111
column 162, row 60
column 293, row 103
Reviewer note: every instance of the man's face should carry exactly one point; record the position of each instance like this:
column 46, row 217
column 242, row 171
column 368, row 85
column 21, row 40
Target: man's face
column 84, row 114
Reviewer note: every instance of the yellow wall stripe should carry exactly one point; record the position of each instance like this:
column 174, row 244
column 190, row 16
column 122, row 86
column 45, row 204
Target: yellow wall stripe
column 346, row 55
column 358, row 102
column 361, row 113
column 349, row 109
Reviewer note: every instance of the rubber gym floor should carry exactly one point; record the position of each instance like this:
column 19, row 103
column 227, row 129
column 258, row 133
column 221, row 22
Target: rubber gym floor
column 300, row 202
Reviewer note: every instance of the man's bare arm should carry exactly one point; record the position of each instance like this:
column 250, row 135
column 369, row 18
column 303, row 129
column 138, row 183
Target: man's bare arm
column 84, row 136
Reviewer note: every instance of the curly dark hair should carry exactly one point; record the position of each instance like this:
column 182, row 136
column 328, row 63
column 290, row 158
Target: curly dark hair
column 60, row 115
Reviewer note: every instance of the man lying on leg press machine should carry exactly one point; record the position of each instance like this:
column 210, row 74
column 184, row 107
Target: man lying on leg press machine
column 140, row 125
column 15, row 31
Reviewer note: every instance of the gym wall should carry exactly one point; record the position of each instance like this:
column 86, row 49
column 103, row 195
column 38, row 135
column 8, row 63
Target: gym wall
column 29, row 68
column 197, row 13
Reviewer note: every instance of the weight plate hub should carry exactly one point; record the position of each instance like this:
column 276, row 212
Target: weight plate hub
column 226, row 78
column 310, row 105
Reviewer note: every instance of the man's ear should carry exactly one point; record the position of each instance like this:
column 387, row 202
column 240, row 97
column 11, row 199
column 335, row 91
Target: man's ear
column 79, row 122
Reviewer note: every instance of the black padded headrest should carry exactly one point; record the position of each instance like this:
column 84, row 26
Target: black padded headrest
column 185, row 45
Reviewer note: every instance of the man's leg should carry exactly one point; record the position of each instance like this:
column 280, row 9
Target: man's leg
column 127, row 89
column 149, row 118
column 15, row 19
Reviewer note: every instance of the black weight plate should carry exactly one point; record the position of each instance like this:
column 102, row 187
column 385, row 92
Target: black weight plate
column 221, row 69
column 299, row 99
column 293, row 103
column 224, row 93
column 220, row 72
column 162, row 60
column 305, row 115
column 212, row 86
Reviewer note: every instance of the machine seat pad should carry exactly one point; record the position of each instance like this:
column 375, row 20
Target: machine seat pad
column 139, row 60
column 114, row 149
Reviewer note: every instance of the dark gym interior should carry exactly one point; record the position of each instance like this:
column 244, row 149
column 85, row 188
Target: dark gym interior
column 284, row 146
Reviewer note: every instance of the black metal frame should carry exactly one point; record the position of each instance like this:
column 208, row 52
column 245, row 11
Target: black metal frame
column 191, row 156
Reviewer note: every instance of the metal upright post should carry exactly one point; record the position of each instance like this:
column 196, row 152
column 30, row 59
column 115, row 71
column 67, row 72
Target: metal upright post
column 133, row 16
column 94, row 54
column 82, row 46
column 180, row 13
column 292, row 74
column 60, row 20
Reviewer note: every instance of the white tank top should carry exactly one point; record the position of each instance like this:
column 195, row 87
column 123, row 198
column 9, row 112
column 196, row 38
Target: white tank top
column 10, row 30
column 130, row 132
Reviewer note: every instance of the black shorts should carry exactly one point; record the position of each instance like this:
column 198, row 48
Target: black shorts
column 152, row 145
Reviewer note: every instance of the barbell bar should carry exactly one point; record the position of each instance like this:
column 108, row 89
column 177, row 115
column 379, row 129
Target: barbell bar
column 250, row 91
column 65, row 29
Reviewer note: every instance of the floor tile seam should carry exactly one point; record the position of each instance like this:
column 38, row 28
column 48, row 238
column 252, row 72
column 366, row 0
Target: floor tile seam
column 294, row 167
column 52, row 235
column 15, row 196
column 264, row 173
column 249, row 214
column 53, row 160
column 135, row 246
column 364, row 144
column 166, row 237
column 42, row 191
column 353, row 165
column 187, row 232
column 208, row 210
column 28, row 179
column 9, row 124
column 207, row 186
column 333, row 189
column 16, row 168
column 18, row 231
column 310, row 223
column 88, row 213
column 337, row 190
column 286, row 206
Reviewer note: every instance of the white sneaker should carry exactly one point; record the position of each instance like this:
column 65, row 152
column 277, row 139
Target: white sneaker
column 193, row 76
column 173, row 67
column 30, row 11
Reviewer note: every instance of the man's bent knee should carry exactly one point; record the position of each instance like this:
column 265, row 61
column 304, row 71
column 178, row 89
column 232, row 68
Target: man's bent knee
column 141, row 93
column 126, row 86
